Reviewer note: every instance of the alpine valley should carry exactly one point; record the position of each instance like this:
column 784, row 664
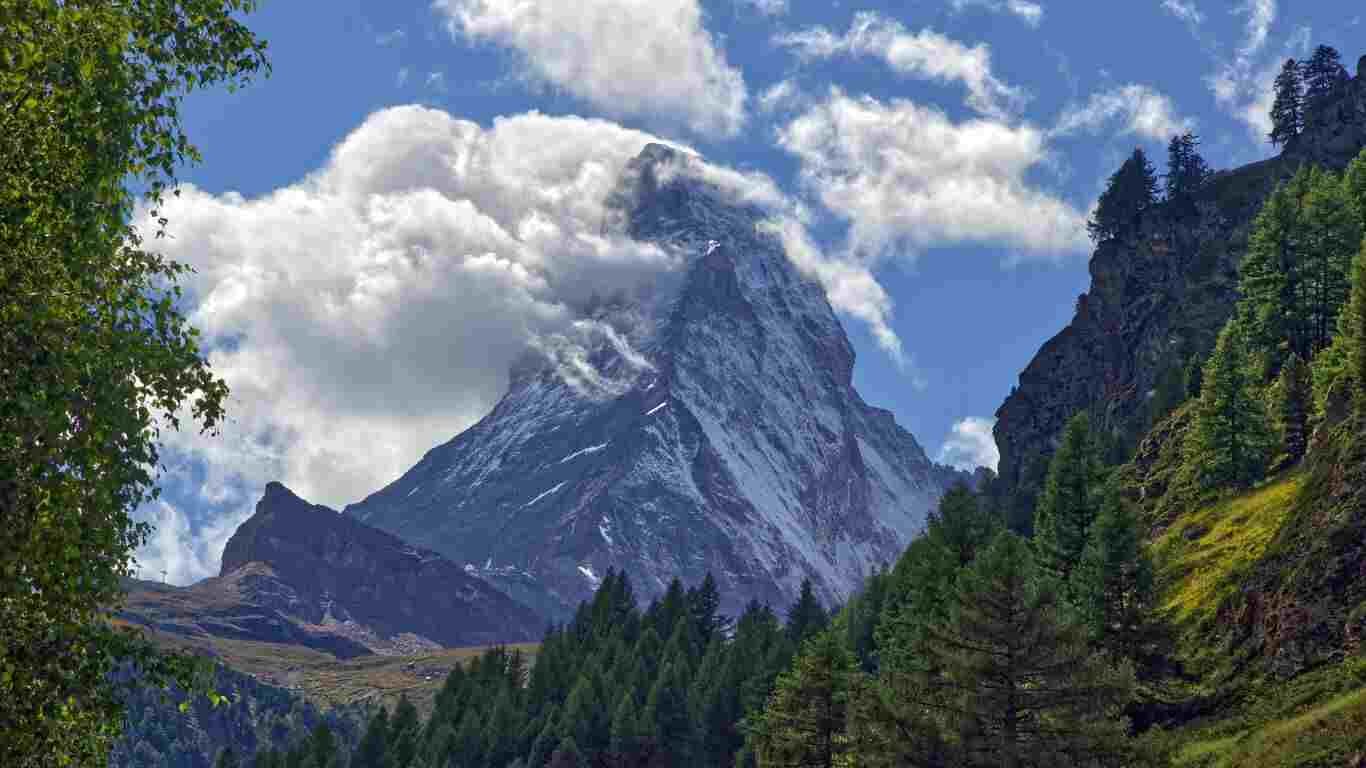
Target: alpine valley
column 682, row 538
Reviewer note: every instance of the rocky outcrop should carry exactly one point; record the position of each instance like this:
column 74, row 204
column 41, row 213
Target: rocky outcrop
column 302, row 574
column 708, row 425
column 1155, row 300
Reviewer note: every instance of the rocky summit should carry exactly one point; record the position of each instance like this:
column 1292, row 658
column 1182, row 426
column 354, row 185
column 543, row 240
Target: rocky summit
column 302, row 574
column 1156, row 300
column 708, row 424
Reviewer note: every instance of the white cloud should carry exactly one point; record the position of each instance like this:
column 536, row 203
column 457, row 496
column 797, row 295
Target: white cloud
column 1242, row 84
column 436, row 81
column 970, row 445
column 394, row 37
column 1141, row 111
column 782, row 96
column 1029, row 12
column 374, row 309
column 401, row 78
column 905, row 175
column 1184, row 10
column 181, row 553
column 626, row 57
column 766, row 7
column 925, row 54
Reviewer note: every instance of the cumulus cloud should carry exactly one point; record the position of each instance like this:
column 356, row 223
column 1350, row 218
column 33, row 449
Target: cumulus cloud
column 623, row 56
column 925, row 54
column 1139, row 109
column 181, row 553
column 375, row 308
column 1029, row 12
column 970, row 445
column 905, row 175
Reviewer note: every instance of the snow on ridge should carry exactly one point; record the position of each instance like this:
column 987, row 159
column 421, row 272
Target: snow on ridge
column 587, row 571
column 589, row 449
column 651, row 412
column 557, row 487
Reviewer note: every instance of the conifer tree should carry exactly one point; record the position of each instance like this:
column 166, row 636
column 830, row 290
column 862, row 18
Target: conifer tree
column 404, row 730
column 1227, row 446
column 1130, row 193
column 1354, row 332
column 1114, row 589
column 1019, row 685
column 322, row 747
column 1287, row 110
column 228, row 759
column 1331, row 235
column 1187, row 172
column 666, row 711
column 1274, row 305
column 1296, row 395
column 374, row 745
column 1070, row 499
column 804, row 723
column 806, row 617
column 1322, row 73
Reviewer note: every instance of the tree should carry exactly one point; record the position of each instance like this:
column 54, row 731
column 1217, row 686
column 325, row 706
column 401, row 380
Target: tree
column 322, row 748
column 1354, row 332
column 404, row 730
column 1187, row 172
column 1331, row 233
column 1296, row 396
column 806, row 617
column 704, row 603
column 1322, row 73
column 228, row 759
column 374, row 745
column 1019, row 685
column 96, row 356
column 1131, row 192
column 1113, row 590
column 803, row 725
column 1272, row 304
column 567, row 755
column 1228, row 443
column 1070, row 499
column 1287, row 110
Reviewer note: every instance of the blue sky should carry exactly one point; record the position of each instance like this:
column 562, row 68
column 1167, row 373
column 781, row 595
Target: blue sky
column 934, row 161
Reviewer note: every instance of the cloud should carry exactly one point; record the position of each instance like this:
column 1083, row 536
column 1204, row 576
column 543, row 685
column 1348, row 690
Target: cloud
column 1242, row 84
column 394, row 37
column 925, row 54
column 401, row 78
column 1184, row 10
column 180, row 552
column 1141, row 111
column 766, row 7
column 782, row 96
column 627, row 58
column 1030, row 13
column 904, row 176
column 374, row 308
column 970, row 445
column 436, row 81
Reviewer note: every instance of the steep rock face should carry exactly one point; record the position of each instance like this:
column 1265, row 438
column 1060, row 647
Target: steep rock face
column 1155, row 301
column 710, row 427
column 303, row 574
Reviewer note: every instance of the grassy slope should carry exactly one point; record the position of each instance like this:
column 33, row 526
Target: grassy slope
column 328, row 682
column 1203, row 559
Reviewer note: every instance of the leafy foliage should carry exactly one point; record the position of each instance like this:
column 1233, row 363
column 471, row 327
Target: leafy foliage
column 95, row 356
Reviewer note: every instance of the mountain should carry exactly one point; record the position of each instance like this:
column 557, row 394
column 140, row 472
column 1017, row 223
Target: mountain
column 303, row 575
column 708, row 426
column 1156, row 300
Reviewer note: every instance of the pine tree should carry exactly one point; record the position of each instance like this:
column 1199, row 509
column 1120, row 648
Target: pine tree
column 1187, row 173
column 666, row 712
column 806, row 617
column 374, row 745
column 322, row 747
column 1354, row 332
column 403, row 734
column 1287, row 111
column 1273, row 304
column 1322, row 72
column 1296, row 395
column 1131, row 192
column 1331, row 235
column 1228, row 443
column 228, row 759
column 803, row 725
column 1113, row 590
column 1070, row 499
column 630, row 739
column 1019, row 685
column 704, row 603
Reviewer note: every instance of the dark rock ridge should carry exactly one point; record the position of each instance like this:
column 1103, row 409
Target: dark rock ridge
column 708, row 424
column 1155, row 301
column 303, row 574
